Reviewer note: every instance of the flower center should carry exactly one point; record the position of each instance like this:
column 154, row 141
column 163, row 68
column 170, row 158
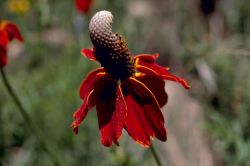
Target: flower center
column 110, row 49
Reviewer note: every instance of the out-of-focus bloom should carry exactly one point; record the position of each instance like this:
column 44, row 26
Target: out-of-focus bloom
column 8, row 31
column 128, row 91
column 83, row 6
column 18, row 6
column 207, row 7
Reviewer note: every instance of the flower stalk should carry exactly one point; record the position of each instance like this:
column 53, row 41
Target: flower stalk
column 29, row 122
column 155, row 155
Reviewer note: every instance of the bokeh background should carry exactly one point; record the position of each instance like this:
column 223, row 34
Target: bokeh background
column 206, row 42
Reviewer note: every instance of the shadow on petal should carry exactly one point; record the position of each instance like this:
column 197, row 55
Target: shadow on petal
column 144, row 119
column 88, row 83
column 111, row 112
column 156, row 85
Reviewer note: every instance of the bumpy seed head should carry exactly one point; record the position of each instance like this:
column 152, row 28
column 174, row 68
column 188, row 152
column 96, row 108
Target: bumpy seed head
column 110, row 48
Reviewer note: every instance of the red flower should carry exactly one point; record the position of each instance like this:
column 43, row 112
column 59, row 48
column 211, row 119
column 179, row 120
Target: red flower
column 127, row 91
column 83, row 6
column 8, row 31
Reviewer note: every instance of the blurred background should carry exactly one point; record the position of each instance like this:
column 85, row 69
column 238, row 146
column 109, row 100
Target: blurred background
column 206, row 42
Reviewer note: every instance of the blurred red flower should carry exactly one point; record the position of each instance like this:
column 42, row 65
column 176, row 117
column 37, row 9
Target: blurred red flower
column 8, row 31
column 128, row 91
column 83, row 6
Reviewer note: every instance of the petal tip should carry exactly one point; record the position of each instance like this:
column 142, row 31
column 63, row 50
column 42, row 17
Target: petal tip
column 156, row 55
column 74, row 126
column 186, row 85
column 144, row 145
column 106, row 144
column 117, row 143
column 89, row 53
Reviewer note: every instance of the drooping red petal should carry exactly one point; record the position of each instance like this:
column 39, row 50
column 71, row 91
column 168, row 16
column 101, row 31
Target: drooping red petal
column 3, row 44
column 137, row 124
column 12, row 30
column 156, row 85
column 144, row 118
column 83, row 6
column 88, row 83
column 111, row 111
column 3, row 39
column 147, row 57
column 79, row 116
column 94, row 79
column 151, row 107
column 146, row 63
column 149, row 61
column 166, row 75
column 88, row 53
column 3, row 57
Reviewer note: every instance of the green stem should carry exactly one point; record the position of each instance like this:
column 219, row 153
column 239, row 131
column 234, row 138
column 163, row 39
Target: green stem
column 30, row 124
column 156, row 157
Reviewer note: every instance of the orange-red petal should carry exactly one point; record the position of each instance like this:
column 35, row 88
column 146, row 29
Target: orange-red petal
column 88, row 83
column 88, row 53
column 163, row 75
column 144, row 117
column 146, row 64
column 149, row 61
column 156, row 85
column 111, row 111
